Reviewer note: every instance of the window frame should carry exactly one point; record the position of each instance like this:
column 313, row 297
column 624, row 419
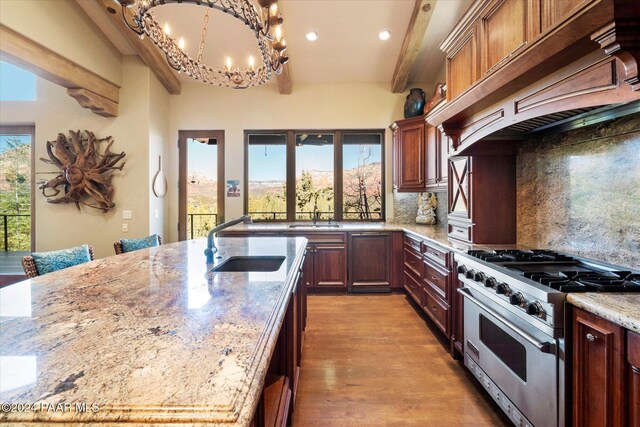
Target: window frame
column 183, row 135
column 27, row 130
column 338, row 171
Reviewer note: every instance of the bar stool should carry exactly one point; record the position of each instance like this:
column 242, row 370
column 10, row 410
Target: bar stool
column 39, row 263
column 128, row 245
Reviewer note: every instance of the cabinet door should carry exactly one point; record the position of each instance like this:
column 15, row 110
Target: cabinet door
column 369, row 262
column 462, row 65
column 633, row 368
column 504, row 30
column 308, row 268
column 457, row 338
column 598, row 373
column 459, row 188
column 330, row 266
column 432, row 143
column 443, row 163
column 410, row 157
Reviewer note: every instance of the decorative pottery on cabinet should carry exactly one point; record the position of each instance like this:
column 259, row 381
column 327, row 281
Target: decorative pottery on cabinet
column 414, row 105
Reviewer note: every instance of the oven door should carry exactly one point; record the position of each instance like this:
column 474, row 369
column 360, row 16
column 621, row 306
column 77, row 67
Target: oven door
column 518, row 363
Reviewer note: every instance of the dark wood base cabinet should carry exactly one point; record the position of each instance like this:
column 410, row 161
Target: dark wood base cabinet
column 370, row 262
column 427, row 280
column 606, row 373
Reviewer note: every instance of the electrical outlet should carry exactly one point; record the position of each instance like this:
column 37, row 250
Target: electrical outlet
column 126, row 214
column 125, row 227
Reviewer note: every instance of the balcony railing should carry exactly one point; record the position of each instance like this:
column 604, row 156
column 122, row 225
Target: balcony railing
column 199, row 224
column 16, row 232
column 324, row 215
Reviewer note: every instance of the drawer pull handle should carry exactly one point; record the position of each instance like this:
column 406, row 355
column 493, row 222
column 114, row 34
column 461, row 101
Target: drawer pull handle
column 591, row 337
column 434, row 278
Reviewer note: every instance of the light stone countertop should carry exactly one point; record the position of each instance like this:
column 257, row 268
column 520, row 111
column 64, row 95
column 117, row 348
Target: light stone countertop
column 621, row 309
column 149, row 336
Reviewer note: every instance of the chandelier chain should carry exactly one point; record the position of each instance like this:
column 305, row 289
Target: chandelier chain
column 203, row 35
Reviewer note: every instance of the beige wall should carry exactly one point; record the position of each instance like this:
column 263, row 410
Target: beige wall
column 63, row 27
column 310, row 106
column 59, row 226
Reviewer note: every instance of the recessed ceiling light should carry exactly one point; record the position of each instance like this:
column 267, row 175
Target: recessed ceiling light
column 384, row 35
column 312, row 36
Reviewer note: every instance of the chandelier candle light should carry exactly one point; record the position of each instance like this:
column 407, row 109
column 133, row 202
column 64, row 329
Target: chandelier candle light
column 265, row 22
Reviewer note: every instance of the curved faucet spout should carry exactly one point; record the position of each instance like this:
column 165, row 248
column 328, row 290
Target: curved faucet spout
column 211, row 246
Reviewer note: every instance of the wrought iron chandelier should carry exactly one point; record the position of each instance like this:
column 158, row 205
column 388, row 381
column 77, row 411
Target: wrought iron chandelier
column 265, row 22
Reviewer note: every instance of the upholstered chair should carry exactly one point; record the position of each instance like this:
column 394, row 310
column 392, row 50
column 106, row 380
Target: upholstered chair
column 128, row 245
column 39, row 263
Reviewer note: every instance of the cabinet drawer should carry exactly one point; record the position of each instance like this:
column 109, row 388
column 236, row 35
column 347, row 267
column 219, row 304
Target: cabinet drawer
column 460, row 232
column 436, row 278
column 320, row 237
column 437, row 310
column 438, row 255
column 413, row 288
column 412, row 242
column 413, row 262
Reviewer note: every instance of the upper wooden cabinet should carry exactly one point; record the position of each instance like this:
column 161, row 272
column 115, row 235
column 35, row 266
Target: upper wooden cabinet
column 420, row 156
column 409, row 155
column 501, row 47
column 437, row 152
column 482, row 199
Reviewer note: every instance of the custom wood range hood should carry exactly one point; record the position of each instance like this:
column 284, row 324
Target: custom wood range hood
column 517, row 66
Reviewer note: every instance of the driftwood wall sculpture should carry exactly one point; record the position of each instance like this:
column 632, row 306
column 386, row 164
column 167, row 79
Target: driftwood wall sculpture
column 85, row 172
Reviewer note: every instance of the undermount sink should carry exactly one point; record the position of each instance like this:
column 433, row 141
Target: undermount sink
column 314, row 226
column 250, row 263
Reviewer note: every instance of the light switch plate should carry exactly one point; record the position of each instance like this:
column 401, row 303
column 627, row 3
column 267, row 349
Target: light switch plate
column 126, row 214
column 125, row 227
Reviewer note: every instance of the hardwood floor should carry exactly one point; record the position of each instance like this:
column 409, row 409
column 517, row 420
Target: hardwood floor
column 371, row 360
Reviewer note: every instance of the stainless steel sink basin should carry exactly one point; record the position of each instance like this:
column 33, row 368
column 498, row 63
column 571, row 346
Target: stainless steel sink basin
column 314, row 226
column 250, row 263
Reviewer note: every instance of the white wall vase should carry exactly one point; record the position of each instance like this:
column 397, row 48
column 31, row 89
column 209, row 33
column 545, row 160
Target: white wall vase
column 159, row 183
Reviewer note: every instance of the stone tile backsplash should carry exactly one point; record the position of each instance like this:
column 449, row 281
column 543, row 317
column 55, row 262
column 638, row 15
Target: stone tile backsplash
column 579, row 192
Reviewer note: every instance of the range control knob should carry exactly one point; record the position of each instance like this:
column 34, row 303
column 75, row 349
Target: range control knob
column 479, row 277
column 503, row 288
column 470, row 273
column 535, row 309
column 490, row 282
column 462, row 269
column 517, row 299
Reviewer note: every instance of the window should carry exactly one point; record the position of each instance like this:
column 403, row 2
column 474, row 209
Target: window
column 267, row 176
column 16, row 84
column 314, row 176
column 17, row 212
column 332, row 175
column 201, row 193
column 362, row 176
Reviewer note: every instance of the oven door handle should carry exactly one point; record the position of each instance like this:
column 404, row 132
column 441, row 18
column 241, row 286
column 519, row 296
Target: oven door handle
column 544, row 347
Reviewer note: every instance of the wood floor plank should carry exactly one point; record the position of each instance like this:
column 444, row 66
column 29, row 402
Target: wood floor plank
column 372, row 360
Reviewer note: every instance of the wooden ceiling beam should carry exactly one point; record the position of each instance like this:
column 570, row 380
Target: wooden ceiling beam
column 148, row 52
column 422, row 11
column 284, row 81
column 97, row 93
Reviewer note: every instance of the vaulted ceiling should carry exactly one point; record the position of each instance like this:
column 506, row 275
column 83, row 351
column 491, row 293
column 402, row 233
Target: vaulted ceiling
column 347, row 50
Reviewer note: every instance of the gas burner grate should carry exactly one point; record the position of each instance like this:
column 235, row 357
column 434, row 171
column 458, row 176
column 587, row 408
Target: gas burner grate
column 587, row 281
column 514, row 255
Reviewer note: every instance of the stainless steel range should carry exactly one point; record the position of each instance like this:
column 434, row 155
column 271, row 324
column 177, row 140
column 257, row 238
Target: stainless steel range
column 514, row 324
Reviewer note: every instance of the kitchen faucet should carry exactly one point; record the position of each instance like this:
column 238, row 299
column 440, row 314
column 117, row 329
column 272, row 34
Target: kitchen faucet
column 211, row 246
column 316, row 214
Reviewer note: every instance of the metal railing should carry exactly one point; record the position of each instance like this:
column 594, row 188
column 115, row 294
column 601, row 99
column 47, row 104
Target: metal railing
column 324, row 215
column 26, row 240
column 202, row 223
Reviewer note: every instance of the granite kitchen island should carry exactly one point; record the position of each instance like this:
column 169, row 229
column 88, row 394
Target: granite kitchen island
column 148, row 337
